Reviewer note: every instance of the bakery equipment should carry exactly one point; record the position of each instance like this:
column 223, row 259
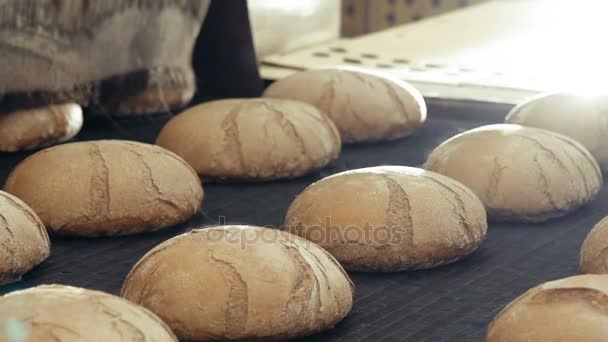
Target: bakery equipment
column 499, row 51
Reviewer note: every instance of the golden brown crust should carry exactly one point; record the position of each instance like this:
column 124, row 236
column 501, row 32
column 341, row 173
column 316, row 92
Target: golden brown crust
column 252, row 139
column 389, row 218
column 107, row 187
column 569, row 309
column 24, row 242
column 241, row 283
column 594, row 251
column 365, row 106
column 520, row 173
column 35, row 128
column 584, row 119
column 65, row 313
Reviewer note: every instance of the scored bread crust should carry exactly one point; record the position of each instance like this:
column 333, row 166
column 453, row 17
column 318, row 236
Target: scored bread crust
column 24, row 242
column 569, row 309
column 252, row 139
column 584, row 119
column 70, row 314
column 520, row 173
column 594, row 257
column 241, row 283
column 365, row 106
column 40, row 127
column 389, row 218
column 107, row 187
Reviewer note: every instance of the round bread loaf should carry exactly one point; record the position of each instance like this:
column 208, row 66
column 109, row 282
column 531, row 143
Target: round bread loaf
column 252, row 139
column 106, row 187
column 389, row 218
column 365, row 106
column 241, row 283
column 34, row 128
column 520, row 173
column 565, row 310
column 66, row 314
column 24, row 243
column 594, row 252
column 584, row 119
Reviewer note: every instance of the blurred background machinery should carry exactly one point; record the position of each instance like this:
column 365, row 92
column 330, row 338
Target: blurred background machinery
column 500, row 51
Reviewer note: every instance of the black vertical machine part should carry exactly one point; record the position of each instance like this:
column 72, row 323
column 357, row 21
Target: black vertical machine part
column 224, row 56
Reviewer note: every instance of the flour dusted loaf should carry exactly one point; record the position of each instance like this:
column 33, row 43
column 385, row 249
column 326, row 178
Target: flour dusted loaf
column 389, row 218
column 70, row 314
column 252, row 139
column 34, row 128
column 23, row 239
column 241, row 283
column 594, row 252
column 365, row 106
column 584, row 119
column 520, row 173
column 565, row 310
column 106, row 187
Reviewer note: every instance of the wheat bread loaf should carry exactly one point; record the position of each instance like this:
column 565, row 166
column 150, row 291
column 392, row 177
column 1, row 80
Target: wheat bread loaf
column 565, row 310
column 106, row 187
column 24, row 243
column 241, row 283
column 520, row 173
column 35, row 128
column 252, row 139
column 365, row 106
column 582, row 118
column 594, row 257
column 70, row 314
column 389, row 218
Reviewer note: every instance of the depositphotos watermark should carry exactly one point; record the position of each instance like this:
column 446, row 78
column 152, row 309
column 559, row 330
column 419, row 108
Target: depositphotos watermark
column 324, row 233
